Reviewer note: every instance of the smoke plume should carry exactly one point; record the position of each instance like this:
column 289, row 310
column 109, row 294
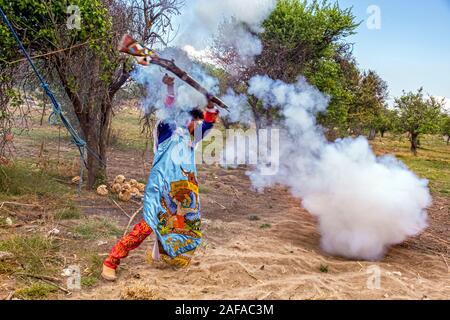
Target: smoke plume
column 198, row 24
column 201, row 20
column 364, row 203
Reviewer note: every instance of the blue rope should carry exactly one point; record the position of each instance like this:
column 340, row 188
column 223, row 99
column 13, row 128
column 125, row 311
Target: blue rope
column 57, row 111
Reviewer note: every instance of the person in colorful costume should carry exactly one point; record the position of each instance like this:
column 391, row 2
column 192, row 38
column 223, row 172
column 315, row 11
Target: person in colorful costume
column 171, row 200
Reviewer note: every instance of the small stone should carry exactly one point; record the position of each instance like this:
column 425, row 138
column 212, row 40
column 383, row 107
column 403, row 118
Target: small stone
column 102, row 243
column 116, row 188
column 66, row 273
column 102, row 190
column 9, row 221
column 119, row 179
column 125, row 196
column 4, row 255
column 54, row 232
column 76, row 179
column 141, row 187
column 397, row 273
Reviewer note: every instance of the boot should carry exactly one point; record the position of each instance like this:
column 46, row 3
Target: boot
column 109, row 274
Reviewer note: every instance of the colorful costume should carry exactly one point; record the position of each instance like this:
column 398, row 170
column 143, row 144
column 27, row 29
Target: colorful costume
column 171, row 199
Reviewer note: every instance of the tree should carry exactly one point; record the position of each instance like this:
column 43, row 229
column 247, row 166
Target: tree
column 10, row 104
column 299, row 38
column 445, row 126
column 418, row 115
column 368, row 110
column 92, row 71
column 386, row 121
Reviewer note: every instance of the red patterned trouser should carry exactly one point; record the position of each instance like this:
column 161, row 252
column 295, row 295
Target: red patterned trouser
column 130, row 242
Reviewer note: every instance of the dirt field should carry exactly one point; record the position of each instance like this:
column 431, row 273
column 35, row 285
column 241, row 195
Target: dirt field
column 256, row 246
column 279, row 256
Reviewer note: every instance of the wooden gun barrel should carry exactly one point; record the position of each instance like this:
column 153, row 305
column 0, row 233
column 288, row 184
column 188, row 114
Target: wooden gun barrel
column 147, row 56
column 172, row 67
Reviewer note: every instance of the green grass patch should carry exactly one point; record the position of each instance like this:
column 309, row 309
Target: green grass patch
column 432, row 161
column 93, row 229
column 265, row 226
column 24, row 183
column 323, row 268
column 126, row 131
column 88, row 282
column 22, row 179
column 31, row 254
column 94, row 263
column 36, row 291
column 254, row 218
column 45, row 132
column 69, row 212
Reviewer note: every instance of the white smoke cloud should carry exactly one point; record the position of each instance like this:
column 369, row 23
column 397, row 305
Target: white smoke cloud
column 187, row 98
column 200, row 21
column 239, row 109
column 364, row 204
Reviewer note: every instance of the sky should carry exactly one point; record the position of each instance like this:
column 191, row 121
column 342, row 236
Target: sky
column 407, row 42
column 411, row 47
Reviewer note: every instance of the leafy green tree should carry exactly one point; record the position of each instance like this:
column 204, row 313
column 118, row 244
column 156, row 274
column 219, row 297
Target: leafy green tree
column 368, row 110
column 445, row 126
column 418, row 115
column 83, row 74
column 84, row 62
column 301, row 38
column 386, row 121
column 308, row 38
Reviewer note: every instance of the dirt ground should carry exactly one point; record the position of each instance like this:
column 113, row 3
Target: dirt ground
column 266, row 246
column 256, row 246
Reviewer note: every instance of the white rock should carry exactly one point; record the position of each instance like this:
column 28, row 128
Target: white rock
column 66, row 273
column 54, row 232
column 4, row 255
column 9, row 222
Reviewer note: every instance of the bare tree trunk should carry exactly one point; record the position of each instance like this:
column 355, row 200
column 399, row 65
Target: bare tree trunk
column 96, row 133
column 372, row 134
column 414, row 143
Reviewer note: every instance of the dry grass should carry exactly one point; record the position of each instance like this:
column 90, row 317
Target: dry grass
column 432, row 161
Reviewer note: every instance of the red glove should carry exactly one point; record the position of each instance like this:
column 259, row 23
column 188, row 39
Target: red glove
column 211, row 113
